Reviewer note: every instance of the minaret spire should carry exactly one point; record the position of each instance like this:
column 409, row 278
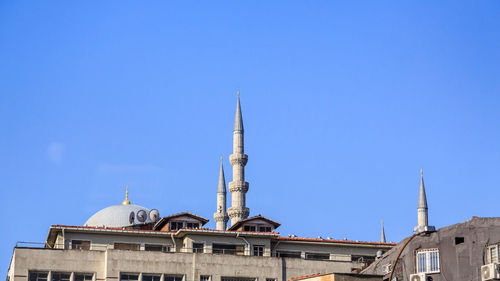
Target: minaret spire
column 422, row 209
column 382, row 233
column 221, row 218
column 126, row 202
column 238, row 187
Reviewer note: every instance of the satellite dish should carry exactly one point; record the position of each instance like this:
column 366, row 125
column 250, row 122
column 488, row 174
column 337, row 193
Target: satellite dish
column 131, row 218
column 142, row 216
column 154, row 215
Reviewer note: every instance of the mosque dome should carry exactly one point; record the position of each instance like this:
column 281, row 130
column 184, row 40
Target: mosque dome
column 119, row 216
column 122, row 215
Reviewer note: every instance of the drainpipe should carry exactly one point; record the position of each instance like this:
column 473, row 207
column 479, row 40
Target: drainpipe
column 245, row 240
column 64, row 239
column 173, row 241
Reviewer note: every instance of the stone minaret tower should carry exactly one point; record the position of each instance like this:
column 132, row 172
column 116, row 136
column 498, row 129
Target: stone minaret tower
column 422, row 210
column 238, row 187
column 382, row 233
column 221, row 218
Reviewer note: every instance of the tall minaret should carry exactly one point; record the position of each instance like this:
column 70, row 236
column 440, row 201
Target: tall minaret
column 382, row 233
column 422, row 210
column 238, row 187
column 220, row 216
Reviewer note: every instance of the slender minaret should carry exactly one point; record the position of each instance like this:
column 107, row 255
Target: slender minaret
column 382, row 233
column 422, row 210
column 221, row 218
column 238, row 187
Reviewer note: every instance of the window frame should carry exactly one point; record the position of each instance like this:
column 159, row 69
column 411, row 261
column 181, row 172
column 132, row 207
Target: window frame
column 83, row 274
column 46, row 278
column 427, row 261
column 198, row 249
column 128, row 274
column 489, row 253
column 80, row 246
column 259, row 249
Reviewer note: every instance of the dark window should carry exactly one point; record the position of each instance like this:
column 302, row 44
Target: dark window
column 204, row 277
column 192, row 225
column 127, row 246
column 198, row 247
column 317, row 256
column 173, row 278
column 150, row 277
column 258, row 250
column 83, row 276
column 249, row 228
column 176, row 225
column 38, row 276
column 265, row 229
column 156, row 248
column 459, row 240
column 60, row 276
column 80, row 244
column 286, row 254
column 228, row 249
column 129, row 277
column 237, row 279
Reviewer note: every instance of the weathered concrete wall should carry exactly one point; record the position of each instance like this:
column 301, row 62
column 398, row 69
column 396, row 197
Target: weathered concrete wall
column 107, row 265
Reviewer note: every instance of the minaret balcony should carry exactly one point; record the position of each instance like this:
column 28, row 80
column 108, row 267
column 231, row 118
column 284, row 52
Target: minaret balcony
column 238, row 186
column 238, row 212
column 238, row 159
column 221, row 217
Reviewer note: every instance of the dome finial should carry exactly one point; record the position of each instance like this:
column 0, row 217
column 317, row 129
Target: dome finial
column 126, row 202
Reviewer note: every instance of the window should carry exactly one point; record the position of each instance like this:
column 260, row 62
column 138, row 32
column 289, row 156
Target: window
column 127, row 246
column 491, row 254
column 198, row 247
column 192, row 225
column 129, row 277
column 173, row 277
column 176, row 225
column 83, row 276
column 270, row 279
column 228, row 249
column 60, row 276
column 38, row 276
column 258, row 250
column 249, row 228
column 156, row 248
column 287, row 254
column 264, row 228
column 204, row 277
column 427, row 261
column 317, row 256
column 151, row 277
column 362, row 259
column 459, row 240
column 237, row 279
column 80, row 244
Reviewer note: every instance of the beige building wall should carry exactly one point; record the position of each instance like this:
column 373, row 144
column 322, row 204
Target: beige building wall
column 107, row 265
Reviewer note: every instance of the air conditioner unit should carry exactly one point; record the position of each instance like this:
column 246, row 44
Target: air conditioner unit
column 418, row 277
column 490, row 271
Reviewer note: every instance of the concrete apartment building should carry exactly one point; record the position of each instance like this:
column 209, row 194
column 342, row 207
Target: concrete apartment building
column 129, row 242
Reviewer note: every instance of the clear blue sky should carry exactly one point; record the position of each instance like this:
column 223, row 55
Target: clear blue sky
column 343, row 104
